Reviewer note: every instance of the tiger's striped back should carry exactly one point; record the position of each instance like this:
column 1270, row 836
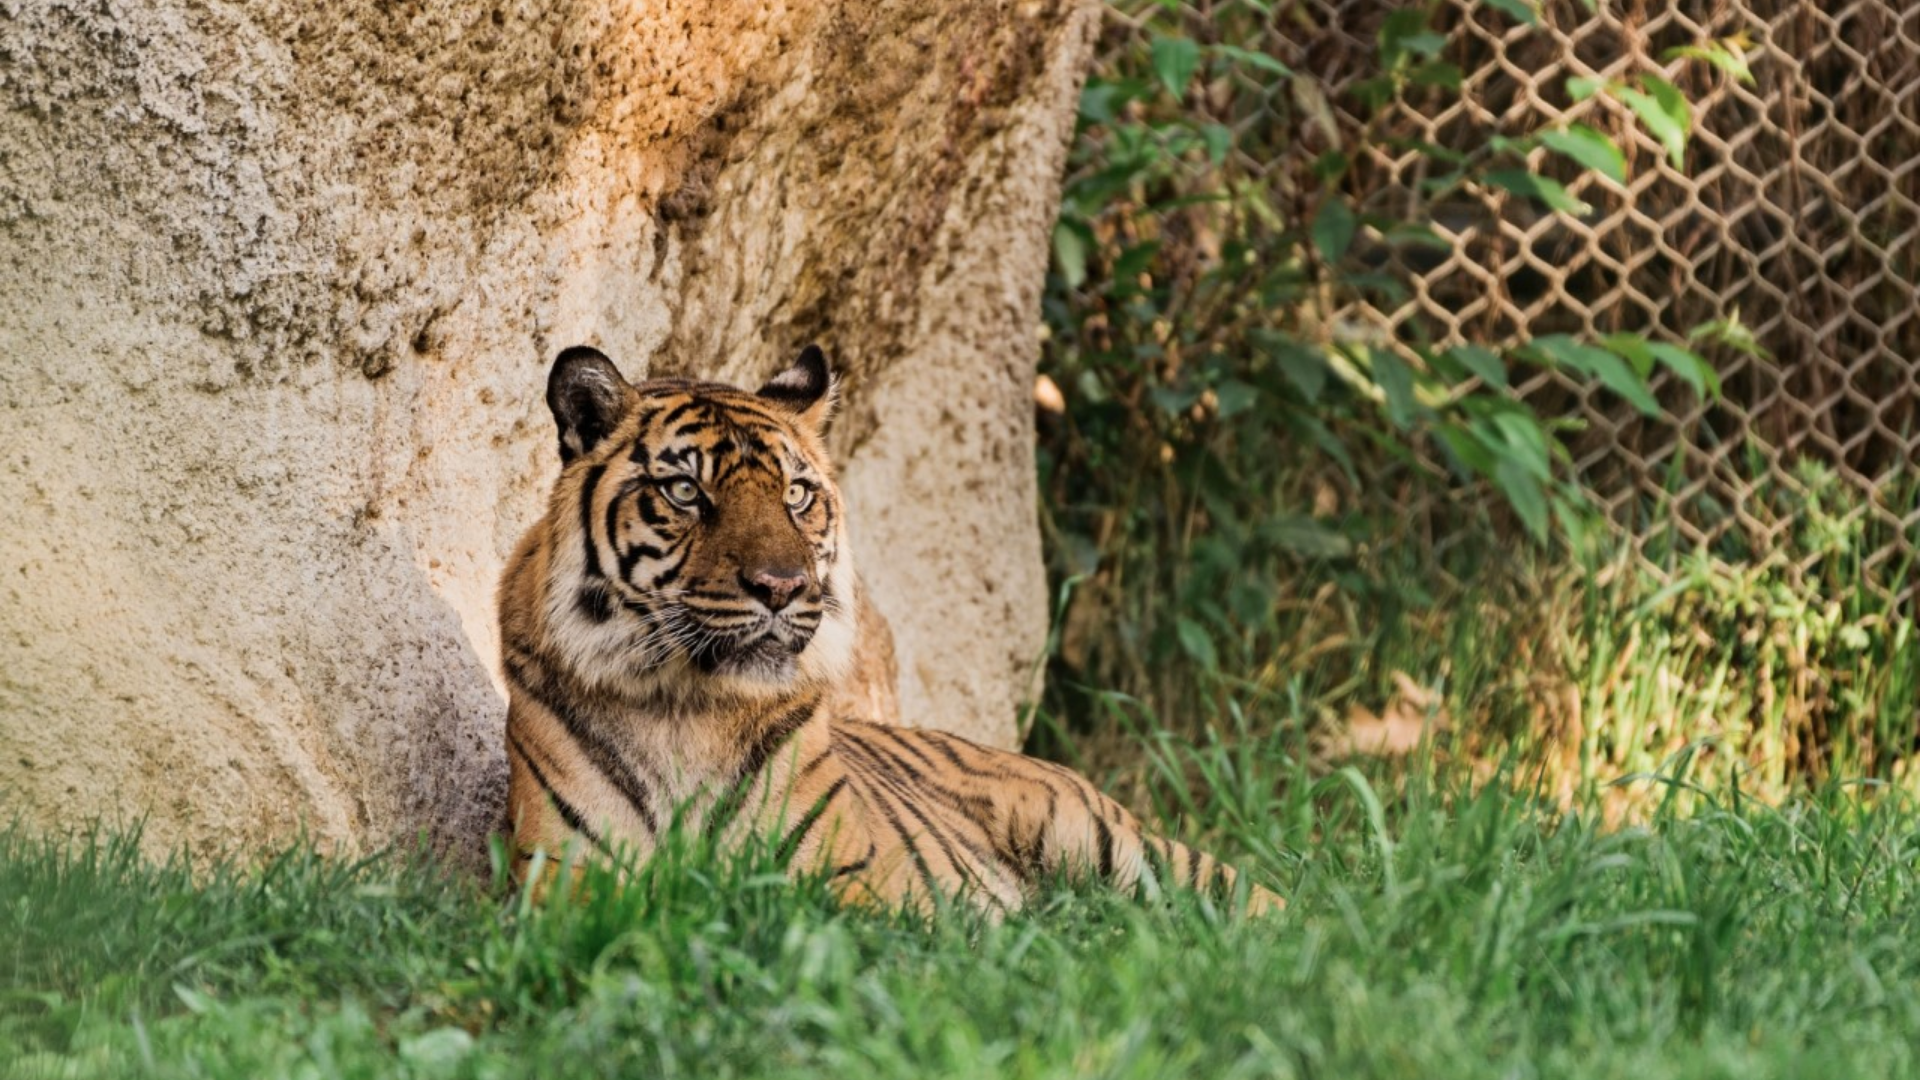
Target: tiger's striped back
column 681, row 635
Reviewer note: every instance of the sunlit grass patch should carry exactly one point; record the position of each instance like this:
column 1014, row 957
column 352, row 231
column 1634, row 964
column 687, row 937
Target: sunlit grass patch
column 1440, row 926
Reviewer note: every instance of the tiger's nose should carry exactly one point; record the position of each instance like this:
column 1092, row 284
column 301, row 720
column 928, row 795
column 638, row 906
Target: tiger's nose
column 774, row 587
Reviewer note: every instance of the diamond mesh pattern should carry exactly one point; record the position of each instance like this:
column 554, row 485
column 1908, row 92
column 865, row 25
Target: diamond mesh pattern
column 1798, row 210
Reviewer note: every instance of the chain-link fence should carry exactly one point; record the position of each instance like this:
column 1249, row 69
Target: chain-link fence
column 1796, row 212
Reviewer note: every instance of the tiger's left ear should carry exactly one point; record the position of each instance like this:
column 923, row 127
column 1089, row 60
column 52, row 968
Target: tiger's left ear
column 806, row 390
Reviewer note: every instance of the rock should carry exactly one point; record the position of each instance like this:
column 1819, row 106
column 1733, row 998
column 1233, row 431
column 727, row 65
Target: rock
column 283, row 284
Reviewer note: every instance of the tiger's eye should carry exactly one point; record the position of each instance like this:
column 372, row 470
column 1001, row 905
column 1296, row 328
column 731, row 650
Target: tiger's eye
column 683, row 491
column 799, row 496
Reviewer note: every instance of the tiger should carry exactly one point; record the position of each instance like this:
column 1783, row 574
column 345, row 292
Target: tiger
column 678, row 633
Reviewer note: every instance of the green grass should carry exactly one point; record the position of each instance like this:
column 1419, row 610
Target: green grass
column 1438, row 932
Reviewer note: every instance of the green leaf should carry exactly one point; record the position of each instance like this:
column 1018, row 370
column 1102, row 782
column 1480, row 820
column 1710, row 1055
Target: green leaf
column 1589, row 148
column 1196, row 642
column 1070, row 252
column 1333, row 229
column 1305, row 368
column 1330, row 166
column 1219, row 140
column 1233, row 397
column 1254, row 59
column 1468, row 447
column 1175, row 59
column 1688, row 367
column 1173, row 400
column 1501, row 144
column 1524, row 491
column 1633, row 347
column 1551, row 192
column 1427, row 43
column 1525, row 441
column 1582, row 87
column 1732, row 333
column 1576, row 520
column 1663, row 109
column 1481, row 362
column 1437, row 73
column 1100, row 101
column 1726, row 54
column 1406, row 33
column 1520, row 10
column 1610, row 369
column 1416, row 234
column 1395, row 380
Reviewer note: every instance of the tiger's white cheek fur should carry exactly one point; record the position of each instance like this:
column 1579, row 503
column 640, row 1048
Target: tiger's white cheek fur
column 620, row 654
column 624, row 655
column 593, row 650
column 828, row 658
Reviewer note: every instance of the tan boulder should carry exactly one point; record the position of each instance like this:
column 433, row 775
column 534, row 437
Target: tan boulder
column 282, row 282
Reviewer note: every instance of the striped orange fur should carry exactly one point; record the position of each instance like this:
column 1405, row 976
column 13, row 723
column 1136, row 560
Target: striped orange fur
column 679, row 630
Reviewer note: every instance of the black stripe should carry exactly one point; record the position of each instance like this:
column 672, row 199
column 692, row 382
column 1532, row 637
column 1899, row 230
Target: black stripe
column 612, row 523
column 602, row 754
column 1011, row 846
column 906, row 744
column 1037, row 847
column 1106, row 848
column 973, row 806
column 648, row 503
column 858, row 864
column 874, row 799
column 679, row 411
column 939, row 744
column 631, row 557
column 878, row 755
column 567, row 813
column 798, row 834
column 594, row 602
column 1079, row 788
column 818, row 760
column 777, row 733
column 727, row 807
column 1025, row 855
column 982, row 856
column 587, row 485
column 1193, row 868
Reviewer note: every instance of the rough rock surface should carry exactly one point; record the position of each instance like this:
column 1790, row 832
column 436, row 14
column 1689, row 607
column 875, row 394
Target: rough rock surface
column 282, row 281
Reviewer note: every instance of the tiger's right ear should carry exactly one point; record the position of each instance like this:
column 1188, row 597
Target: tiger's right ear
column 588, row 397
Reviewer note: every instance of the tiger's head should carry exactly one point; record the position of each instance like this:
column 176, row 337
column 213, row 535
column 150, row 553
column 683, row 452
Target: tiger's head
column 696, row 540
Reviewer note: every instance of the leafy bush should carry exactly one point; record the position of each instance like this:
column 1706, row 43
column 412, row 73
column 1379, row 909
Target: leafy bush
column 1260, row 515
